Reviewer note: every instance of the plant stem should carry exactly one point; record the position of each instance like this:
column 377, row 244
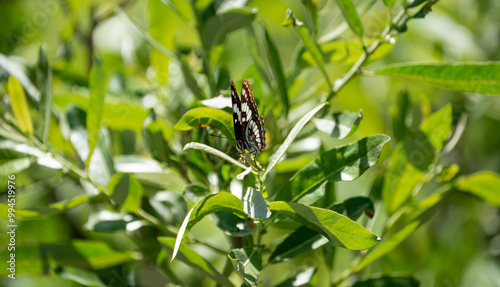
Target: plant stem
column 340, row 83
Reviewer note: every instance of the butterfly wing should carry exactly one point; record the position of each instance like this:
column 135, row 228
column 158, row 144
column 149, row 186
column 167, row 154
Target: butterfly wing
column 236, row 102
column 254, row 134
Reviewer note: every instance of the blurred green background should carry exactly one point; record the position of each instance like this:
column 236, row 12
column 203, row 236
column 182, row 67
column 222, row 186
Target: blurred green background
column 459, row 246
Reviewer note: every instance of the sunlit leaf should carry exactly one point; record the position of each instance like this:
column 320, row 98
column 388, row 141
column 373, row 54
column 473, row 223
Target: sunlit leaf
column 247, row 262
column 16, row 71
column 339, row 229
column 254, row 204
column 351, row 16
column 291, row 136
column 342, row 125
column 344, row 163
column 484, row 184
column 483, row 78
column 205, row 117
column 210, row 204
column 14, row 166
column 399, row 181
column 98, row 86
column 193, row 259
column 304, row 239
column 19, row 105
column 300, row 279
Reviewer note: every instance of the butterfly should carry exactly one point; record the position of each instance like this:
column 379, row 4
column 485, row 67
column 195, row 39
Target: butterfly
column 248, row 124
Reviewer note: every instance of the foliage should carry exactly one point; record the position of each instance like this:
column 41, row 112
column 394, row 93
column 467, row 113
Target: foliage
column 117, row 135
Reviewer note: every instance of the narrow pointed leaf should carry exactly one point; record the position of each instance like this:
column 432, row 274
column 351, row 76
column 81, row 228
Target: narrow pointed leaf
column 15, row 70
column 344, row 163
column 217, row 27
column 44, row 83
column 98, row 85
column 291, row 136
column 274, row 59
column 19, row 105
column 247, row 262
column 339, row 229
column 483, row 78
column 207, row 117
column 351, row 16
column 304, row 239
column 222, row 201
column 194, row 259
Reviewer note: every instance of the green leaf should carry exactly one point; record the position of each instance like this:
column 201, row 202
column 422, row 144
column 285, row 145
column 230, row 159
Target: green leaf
column 388, row 281
column 107, row 221
column 79, row 275
column 342, row 125
column 170, row 207
column 190, row 80
column 98, row 85
column 216, row 29
column 193, row 259
column 118, row 113
column 87, row 254
column 291, row 136
column 300, row 279
column 156, row 133
column 210, row 204
column 14, row 166
column 255, row 205
column 16, row 70
column 125, row 191
column 484, row 184
column 247, row 262
column 44, row 83
column 344, row 163
column 399, row 114
column 40, row 212
column 204, row 117
column 437, row 127
column 19, row 105
column 162, row 25
column 231, row 224
column 309, row 44
column 403, row 227
column 348, row 51
column 351, row 16
column 340, row 230
column 304, row 239
column 389, row 3
column 480, row 77
column 277, row 69
column 399, row 181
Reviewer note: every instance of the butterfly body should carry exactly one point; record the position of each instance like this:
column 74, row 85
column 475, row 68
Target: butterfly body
column 248, row 124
